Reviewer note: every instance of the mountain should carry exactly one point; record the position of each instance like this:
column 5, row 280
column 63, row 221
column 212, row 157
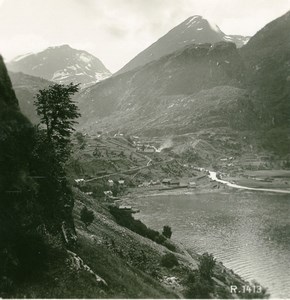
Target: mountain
column 194, row 30
column 239, row 40
column 191, row 89
column 26, row 87
column 209, row 91
column 267, row 56
column 61, row 64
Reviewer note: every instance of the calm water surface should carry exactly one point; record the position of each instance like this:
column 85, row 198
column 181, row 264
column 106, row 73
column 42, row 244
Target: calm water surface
column 248, row 231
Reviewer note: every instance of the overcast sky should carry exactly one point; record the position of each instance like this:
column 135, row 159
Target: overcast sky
column 116, row 30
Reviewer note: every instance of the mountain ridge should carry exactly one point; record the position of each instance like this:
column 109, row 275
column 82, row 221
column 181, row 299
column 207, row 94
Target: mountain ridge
column 194, row 30
column 61, row 64
column 250, row 84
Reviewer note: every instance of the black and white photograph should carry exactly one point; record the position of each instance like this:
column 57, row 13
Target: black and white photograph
column 144, row 149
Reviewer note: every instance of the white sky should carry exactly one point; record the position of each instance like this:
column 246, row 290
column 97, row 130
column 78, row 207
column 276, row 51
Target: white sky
column 116, row 30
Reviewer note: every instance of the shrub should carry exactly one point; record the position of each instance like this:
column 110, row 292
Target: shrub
column 125, row 219
column 198, row 288
column 169, row 260
column 206, row 265
column 169, row 245
column 160, row 239
column 167, row 231
column 87, row 216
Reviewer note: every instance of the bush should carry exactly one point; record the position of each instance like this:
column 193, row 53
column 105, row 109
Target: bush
column 160, row 239
column 206, row 265
column 169, row 260
column 87, row 216
column 169, row 245
column 198, row 288
column 125, row 219
column 167, row 232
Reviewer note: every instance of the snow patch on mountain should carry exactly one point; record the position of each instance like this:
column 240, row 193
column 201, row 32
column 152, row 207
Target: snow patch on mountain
column 20, row 57
column 61, row 64
column 213, row 26
column 59, row 75
column 192, row 21
column 85, row 58
column 228, row 38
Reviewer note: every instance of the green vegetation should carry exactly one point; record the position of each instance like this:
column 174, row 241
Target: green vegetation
column 206, row 265
column 169, row 260
column 58, row 113
column 81, row 140
column 87, row 216
column 125, row 218
column 198, row 287
column 200, row 284
column 167, row 232
column 36, row 198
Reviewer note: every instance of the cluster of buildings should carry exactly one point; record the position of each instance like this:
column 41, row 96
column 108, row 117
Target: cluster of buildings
column 170, row 183
column 120, row 182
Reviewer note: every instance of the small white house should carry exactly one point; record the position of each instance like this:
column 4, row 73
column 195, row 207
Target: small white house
column 80, row 182
column 110, row 182
column 108, row 193
column 191, row 184
column 125, row 207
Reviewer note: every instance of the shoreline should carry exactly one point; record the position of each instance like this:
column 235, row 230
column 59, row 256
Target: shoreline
column 213, row 176
column 211, row 184
column 228, row 274
column 214, row 184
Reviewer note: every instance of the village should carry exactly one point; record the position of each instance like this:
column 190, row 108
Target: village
column 109, row 166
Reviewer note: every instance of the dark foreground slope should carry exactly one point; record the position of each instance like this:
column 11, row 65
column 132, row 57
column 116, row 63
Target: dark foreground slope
column 36, row 253
column 15, row 148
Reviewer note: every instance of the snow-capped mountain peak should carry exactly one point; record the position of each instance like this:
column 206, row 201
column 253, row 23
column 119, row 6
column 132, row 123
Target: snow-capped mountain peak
column 194, row 30
column 192, row 21
column 62, row 64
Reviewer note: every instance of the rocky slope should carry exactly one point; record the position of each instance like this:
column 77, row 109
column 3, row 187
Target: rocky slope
column 194, row 30
column 62, row 64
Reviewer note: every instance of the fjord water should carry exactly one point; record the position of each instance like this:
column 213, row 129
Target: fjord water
column 248, row 231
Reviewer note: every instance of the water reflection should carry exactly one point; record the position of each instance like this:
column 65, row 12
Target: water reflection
column 248, row 231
